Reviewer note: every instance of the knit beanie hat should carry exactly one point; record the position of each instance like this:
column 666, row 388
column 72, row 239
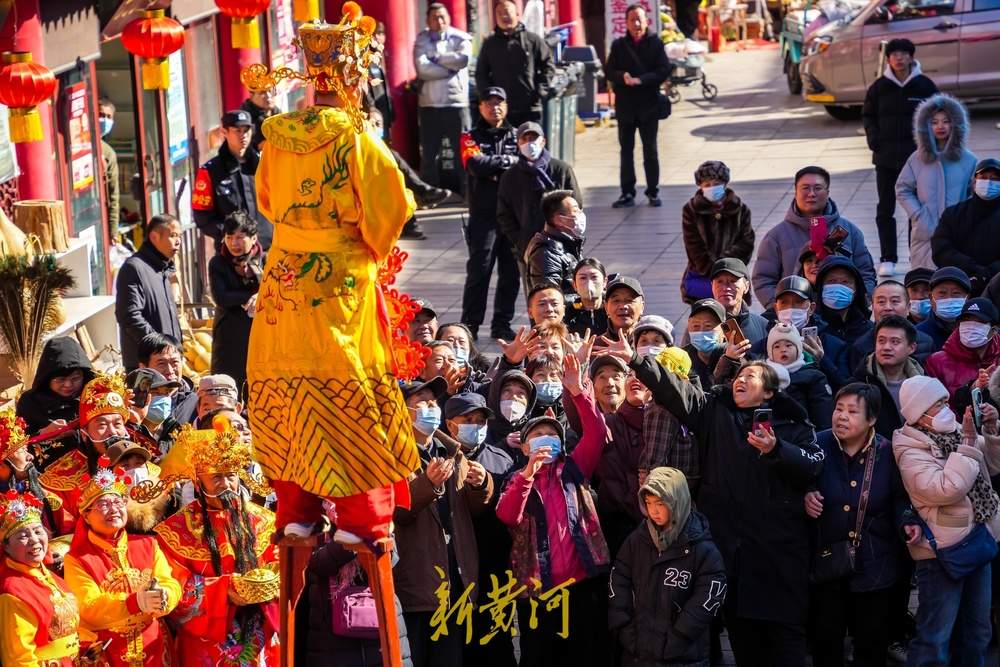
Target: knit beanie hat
column 713, row 170
column 917, row 394
column 782, row 331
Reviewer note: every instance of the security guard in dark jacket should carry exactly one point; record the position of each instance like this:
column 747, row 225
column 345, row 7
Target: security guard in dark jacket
column 488, row 150
column 226, row 182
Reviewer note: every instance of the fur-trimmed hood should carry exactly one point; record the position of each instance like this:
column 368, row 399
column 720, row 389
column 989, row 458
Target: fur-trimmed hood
column 924, row 137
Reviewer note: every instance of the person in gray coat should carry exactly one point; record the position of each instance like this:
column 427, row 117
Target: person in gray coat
column 779, row 252
column 938, row 174
column 441, row 58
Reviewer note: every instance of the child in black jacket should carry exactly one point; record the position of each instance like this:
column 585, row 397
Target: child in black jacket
column 668, row 580
column 807, row 384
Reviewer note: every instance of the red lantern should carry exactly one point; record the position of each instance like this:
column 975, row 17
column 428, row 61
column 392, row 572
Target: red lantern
column 246, row 34
column 153, row 38
column 23, row 86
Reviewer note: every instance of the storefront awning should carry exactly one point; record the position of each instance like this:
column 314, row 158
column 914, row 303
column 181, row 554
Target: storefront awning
column 126, row 12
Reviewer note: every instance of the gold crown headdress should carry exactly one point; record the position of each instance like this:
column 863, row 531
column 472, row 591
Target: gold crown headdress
column 12, row 435
column 197, row 452
column 17, row 511
column 107, row 393
column 105, row 481
column 337, row 56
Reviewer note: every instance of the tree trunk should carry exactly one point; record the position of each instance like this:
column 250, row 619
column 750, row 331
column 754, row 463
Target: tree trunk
column 46, row 219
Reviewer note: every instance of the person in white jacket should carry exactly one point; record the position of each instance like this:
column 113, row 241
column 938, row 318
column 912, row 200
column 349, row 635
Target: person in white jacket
column 946, row 469
column 937, row 174
column 441, row 57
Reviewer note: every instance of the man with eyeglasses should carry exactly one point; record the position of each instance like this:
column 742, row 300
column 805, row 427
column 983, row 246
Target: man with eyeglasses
column 813, row 218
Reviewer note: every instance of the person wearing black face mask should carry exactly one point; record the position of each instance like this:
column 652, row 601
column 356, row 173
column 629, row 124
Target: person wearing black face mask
column 234, row 276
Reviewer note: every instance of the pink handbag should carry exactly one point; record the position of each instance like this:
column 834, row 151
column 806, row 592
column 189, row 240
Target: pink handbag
column 352, row 607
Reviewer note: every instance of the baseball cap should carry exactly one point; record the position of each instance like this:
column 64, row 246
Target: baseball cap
column 597, row 363
column 425, row 305
column 529, row 126
column 918, row 275
column 121, row 448
column 465, row 403
column 731, row 265
column 952, row 273
column 981, row 309
column 158, row 381
column 438, row 386
column 237, row 118
column 623, row 281
column 220, row 384
column 544, row 419
column 495, row 91
column 988, row 163
column 712, row 306
column 796, row 285
column 654, row 323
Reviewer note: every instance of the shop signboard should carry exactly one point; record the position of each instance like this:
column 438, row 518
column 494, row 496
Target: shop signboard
column 177, row 120
column 81, row 138
column 614, row 18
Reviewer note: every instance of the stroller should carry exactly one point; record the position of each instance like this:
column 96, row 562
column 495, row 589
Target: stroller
column 686, row 60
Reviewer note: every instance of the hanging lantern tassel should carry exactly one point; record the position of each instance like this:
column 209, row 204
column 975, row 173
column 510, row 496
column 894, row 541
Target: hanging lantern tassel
column 246, row 33
column 155, row 73
column 25, row 125
column 305, row 10
column 24, row 84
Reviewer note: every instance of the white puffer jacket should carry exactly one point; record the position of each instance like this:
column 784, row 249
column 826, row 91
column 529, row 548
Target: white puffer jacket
column 938, row 485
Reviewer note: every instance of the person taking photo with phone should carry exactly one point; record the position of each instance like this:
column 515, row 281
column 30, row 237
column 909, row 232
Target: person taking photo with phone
column 753, row 471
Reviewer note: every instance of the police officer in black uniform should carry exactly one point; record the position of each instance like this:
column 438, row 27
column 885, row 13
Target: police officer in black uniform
column 488, row 150
column 226, row 182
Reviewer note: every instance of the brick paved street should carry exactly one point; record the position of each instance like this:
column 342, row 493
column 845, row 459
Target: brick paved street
column 759, row 130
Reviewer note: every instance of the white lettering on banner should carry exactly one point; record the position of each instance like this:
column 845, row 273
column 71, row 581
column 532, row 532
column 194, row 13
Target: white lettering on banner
column 677, row 578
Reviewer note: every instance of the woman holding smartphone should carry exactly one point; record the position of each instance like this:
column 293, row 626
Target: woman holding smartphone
column 754, row 475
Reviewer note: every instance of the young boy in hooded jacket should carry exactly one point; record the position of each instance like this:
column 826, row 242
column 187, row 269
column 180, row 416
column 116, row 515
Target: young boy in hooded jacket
column 668, row 580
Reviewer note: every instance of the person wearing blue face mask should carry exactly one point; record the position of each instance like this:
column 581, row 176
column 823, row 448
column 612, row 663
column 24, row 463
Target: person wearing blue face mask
column 435, row 534
column 707, row 344
column 843, row 303
column 966, row 236
column 109, row 158
column 716, row 223
column 465, row 416
column 550, row 496
column 973, row 346
column 950, row 288
column 152, row 406
column 918, row 289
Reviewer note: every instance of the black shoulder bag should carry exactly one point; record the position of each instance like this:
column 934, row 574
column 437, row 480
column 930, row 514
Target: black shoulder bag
column 836, row 561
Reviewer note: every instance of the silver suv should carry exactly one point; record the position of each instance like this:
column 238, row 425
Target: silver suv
column 958, row 46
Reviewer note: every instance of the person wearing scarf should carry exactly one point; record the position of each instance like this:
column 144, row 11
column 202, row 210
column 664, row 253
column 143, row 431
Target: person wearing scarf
column 668, row 563
column 234, row 277
column 945, row 467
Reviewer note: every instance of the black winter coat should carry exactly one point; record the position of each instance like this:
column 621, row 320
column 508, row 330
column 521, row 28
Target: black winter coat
column 224, row 185
column 811, row 389
column 519, row 200
column 712, row 232
column 144, row 301
column 492, row 537
column 865, row 345
column 645, row 60
column 316, row 645
column 661, row 604
column 967, row 237
column 578, row 319
column 551, row 258
column 753, row 501
column 888, row 118
column 889, row 418
column 487, row 152
column 520, row 63
column 231, row 328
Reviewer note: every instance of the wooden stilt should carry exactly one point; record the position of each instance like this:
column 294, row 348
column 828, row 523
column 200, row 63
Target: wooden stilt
column 378, row 567
column 293, row 558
